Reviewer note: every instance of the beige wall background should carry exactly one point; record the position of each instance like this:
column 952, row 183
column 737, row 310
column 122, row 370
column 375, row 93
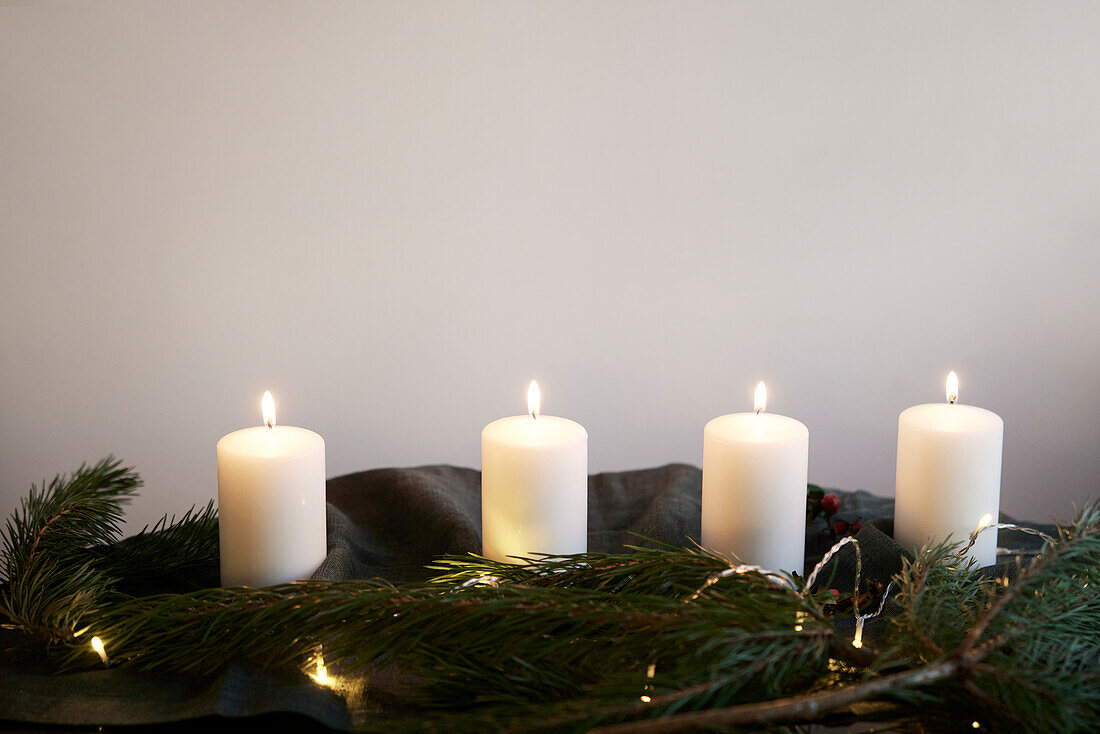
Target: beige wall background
column 395, row 214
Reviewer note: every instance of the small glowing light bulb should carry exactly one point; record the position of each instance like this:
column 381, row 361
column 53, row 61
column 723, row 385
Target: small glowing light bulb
column 97, row 645
column 320, row 674
column 649, row 673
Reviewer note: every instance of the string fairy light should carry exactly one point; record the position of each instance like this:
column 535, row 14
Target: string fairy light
column 772, row 577
column 649, row 673
column 776, row 579
column 320, row 674
column 986, row 523
column 487, row 580
column 781, row 581
column 812, row 578
column 97, row 645
column 857, row 639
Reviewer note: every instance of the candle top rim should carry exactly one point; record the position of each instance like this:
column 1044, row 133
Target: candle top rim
column 773, row 428
column 282, row 441
column 948, row 417
column 544, row 431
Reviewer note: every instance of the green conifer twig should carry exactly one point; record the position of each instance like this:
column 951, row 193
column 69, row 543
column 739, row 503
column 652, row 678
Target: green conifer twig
column 565, row 643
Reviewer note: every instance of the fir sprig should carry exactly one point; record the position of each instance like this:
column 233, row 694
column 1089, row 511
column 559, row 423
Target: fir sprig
column 654, row 640
column 664, row 571
column 1025, row 650
column 482, row 644
column 61, row 557
column 49, row 579
column 174, row 554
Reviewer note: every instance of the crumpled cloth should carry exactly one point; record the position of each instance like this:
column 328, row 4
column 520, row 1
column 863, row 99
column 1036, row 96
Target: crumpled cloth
column 391, row 523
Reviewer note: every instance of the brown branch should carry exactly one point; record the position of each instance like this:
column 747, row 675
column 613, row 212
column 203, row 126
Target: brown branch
column 673, row 696
column 38, row 536
column 630, row 708
column 793, row 709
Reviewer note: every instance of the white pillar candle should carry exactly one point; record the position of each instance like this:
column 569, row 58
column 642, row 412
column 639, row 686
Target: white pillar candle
column 754, row 487
column 534, row 485
column 271, row 503
column 949, row 474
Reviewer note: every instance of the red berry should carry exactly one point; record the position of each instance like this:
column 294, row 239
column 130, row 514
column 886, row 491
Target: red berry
column 856, row 527
column 840, row 527
column 830, row 503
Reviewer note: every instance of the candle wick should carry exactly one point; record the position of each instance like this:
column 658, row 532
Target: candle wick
column 758, row 410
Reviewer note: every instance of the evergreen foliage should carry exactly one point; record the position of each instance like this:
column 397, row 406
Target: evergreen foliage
column 655, row 640
column 50, row 579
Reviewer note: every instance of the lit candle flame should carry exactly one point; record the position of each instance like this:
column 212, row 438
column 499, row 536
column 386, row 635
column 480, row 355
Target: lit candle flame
column 534, row 400
column 269, row 409
column 760, row 400
column 952, row 387
column 97, row 645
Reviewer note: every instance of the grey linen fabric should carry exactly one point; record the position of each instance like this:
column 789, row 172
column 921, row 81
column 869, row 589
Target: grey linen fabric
column 393, row 522
column 390, row 523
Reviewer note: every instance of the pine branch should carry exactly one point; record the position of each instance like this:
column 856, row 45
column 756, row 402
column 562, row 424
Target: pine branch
column 176, row 554
column 49, row 581
column 654, row 640
column 1075, row 550
column 560, row 652
column 664, row 571
column 1034, row 652
column 514, row 644
column 1028, row 650
column 61, row 558
column 1059, row 686
column 795, row 709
